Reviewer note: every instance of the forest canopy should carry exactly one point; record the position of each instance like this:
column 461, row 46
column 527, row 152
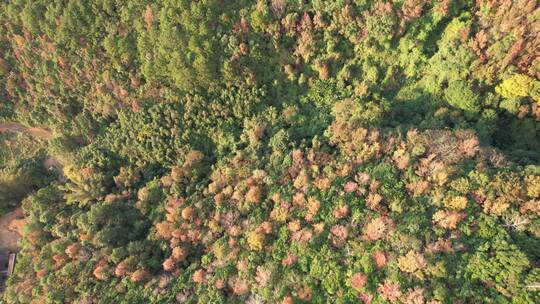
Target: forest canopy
column 272, row 151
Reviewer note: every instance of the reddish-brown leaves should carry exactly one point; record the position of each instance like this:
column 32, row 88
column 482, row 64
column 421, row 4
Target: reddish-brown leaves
column 389, row 290
column 358, row 280
column 139, row 275
column 350, row 187
column 447, row 219
column 148, row 16
column 377, row 228
column 379, row 257
column 199, row 276
column 289, row 260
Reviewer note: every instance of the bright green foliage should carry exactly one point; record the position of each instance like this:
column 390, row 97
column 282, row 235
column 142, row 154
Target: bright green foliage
column 519, row 85
column 510, row 105
column 459, row 95
column 500, row 264
column 83, row 188
column 189, row 25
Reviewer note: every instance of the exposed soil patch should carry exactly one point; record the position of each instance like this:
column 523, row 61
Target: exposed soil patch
column 53, row 164
column 11, row 225
column 43, row 133
column 12, row 126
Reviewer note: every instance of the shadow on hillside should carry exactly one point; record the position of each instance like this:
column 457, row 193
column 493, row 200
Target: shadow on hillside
column 518, row 138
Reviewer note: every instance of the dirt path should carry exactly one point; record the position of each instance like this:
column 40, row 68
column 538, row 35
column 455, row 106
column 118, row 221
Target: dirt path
column 43, row 133
column 11, row 225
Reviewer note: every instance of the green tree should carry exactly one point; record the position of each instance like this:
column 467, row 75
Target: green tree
column 499, row 263
column 459, row 95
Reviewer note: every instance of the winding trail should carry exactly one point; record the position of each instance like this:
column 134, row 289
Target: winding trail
column 16, row 127
column 12, row 223
column 43, row 133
